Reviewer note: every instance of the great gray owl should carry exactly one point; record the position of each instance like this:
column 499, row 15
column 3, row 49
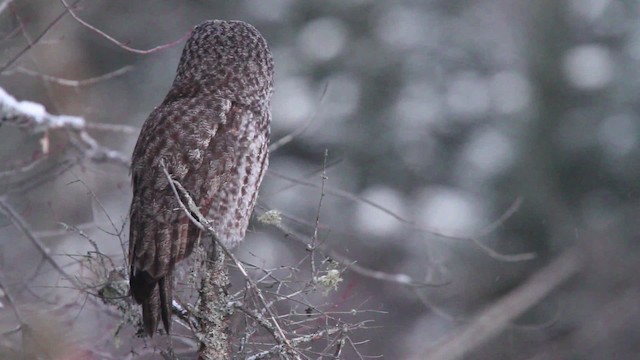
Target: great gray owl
column 212, row 132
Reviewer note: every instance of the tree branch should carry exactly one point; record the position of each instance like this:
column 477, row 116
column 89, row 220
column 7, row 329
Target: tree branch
column 34, row 117
column 490, row 322
column 194, row 214
column 120, row 44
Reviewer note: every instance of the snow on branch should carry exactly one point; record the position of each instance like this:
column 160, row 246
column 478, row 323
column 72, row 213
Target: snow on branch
column 33, row 115
column 34, row 118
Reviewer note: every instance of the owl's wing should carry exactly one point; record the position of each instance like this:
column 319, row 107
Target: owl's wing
column 184, row 134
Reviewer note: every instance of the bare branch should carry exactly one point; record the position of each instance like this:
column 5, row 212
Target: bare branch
column 255, row 316
column 289, row 137
column 202, row 222
column 21, row 225
column 489, row 322
column 314, row 239
column 33, row 115
column 488, row 250
column 398, row 278
column 36, row 39
column 120, row 44
column 74, row 83
column 6, row 292
column 35, row 118
column 214, row 315
column 125, row 129
column 298, row 341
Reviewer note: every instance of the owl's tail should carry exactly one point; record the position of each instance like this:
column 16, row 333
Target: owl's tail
column 155, row 296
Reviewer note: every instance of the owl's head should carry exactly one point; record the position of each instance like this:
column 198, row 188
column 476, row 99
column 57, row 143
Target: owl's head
column 229, row 59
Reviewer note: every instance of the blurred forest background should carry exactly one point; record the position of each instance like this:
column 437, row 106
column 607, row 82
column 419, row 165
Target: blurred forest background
column 513, row 123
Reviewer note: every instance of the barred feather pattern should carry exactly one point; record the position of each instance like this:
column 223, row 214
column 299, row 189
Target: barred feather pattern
column 212, row 133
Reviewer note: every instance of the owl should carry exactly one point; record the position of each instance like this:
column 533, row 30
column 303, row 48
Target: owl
column 211, row 133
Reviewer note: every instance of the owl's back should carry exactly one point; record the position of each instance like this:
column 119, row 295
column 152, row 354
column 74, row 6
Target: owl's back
column 211, row 134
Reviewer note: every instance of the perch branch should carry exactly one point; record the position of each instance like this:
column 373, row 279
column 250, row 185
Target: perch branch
column 194, row 214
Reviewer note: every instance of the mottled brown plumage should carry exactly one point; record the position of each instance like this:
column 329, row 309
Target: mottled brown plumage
column 212, row 132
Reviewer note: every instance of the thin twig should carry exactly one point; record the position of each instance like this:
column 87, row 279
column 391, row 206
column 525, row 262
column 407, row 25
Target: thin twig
column 298, row 341
column 202, row 223
column 314, row 239
column 117, row 231
column 36, row 39
column 69, row 82
column 125, row 129
column 11, row 302
column 289, row 137
column 488, row 250
column 120, row 44
column 21, row 225
column 398, row 278
column 255, row 316
column 23, row 168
